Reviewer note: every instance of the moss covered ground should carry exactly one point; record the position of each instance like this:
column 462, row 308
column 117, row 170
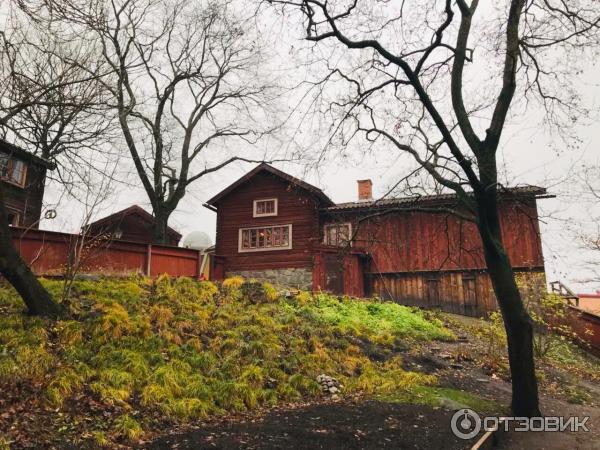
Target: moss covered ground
column 136, row 355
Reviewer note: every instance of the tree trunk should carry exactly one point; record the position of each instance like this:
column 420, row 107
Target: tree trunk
column 517, row 322
column 38, row 300
column 161, row 223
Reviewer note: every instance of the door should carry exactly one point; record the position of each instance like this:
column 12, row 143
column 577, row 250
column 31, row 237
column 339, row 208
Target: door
column 432, row 291
column 470, row 294
column 334, row 274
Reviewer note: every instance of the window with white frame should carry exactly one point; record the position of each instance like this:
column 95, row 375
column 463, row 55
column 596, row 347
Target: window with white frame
column 265, row 207
column 338, row 234
column 12, row 169
column 256, row 239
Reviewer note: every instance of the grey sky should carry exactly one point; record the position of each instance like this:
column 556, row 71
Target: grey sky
column 526, row 152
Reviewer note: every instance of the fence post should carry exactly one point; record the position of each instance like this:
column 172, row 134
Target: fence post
column 199, row 265
column 148, row 259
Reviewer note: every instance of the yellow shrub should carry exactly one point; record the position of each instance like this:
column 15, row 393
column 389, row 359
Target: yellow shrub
column 232, row 283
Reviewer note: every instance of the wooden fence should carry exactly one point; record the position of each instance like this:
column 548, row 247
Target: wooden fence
column 50, row 253
column 586, row 325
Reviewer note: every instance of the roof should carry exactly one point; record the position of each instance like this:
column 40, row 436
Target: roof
column 264, row 167
column 588, row 296
column 133, row 210
column 521, row 191
column 24, row 154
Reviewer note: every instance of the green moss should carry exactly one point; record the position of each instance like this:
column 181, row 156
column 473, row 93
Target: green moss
column 444, row 397
column 189, row 350
column 373, row 317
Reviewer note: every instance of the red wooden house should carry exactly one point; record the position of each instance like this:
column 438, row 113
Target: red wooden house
column 275, row 227
column 133, row 224
column 23, row 177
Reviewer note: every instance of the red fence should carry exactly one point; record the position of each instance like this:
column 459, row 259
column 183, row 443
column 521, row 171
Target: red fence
column 587, row 326
column 50, row 253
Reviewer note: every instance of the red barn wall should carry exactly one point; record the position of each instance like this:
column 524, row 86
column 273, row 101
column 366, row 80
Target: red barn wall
column 436, row 260
column 419, row 241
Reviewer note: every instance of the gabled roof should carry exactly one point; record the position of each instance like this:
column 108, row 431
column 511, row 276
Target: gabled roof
column 133, row 210
column 264, row 167
column 520, row 192
column 12, row 149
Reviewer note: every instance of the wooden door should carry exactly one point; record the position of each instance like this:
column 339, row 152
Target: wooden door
column 432, row 291
column 470, row 295
column 334, row 274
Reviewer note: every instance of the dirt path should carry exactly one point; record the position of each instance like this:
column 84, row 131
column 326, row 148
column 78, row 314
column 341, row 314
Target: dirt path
column 343, row 426
column 381, row 425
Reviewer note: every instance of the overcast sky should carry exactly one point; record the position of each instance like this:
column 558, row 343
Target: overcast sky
column 525, row 151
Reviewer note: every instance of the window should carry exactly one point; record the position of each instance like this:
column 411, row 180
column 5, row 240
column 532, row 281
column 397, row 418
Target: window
column 12, row 170
column 13, row 217
column 265, row 207
column 257, row 239
column 338, row 234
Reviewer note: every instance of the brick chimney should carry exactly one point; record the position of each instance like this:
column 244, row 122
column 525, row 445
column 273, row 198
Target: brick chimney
column 365, row 191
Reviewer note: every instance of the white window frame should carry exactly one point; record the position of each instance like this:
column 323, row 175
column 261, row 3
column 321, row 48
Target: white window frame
column 337, row 224
column 268, row 249
column 255, row 202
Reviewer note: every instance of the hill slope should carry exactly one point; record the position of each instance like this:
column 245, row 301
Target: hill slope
column 138, row 354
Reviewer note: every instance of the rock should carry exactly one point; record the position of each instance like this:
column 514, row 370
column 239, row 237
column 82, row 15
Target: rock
column 270, row 383
column 335, row 397
column 445, row 355
column 483, row 380
column 457, row 366
column 333, row 390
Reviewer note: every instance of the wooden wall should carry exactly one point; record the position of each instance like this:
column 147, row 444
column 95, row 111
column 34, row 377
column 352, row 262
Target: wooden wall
column 133, row 227
column 350, row 269
column 295, row 206
column 420, row 241
column 27, row 200
column 586, row 325
column 461, row 292
column 48, row 252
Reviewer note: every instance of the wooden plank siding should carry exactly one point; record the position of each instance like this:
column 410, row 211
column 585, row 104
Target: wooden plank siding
column 436, row 260
column 295, row 206
column 27, row 200
column 461, row 292
column 427, row 241
column 47, row 253
column 353, row 271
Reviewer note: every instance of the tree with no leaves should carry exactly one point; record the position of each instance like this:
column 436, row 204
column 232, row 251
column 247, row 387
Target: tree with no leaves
column 436, row 80
column 46, row 104
column 185, row 76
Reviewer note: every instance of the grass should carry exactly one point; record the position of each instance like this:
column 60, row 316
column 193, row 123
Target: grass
column 137, row 354
column 442, row 396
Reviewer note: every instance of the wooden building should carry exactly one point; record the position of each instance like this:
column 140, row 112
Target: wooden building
column 23, row 177
column 133, row 224
column 273, row 226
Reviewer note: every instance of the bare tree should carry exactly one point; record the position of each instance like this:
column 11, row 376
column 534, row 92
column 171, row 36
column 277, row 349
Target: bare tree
column 185, row 77
column 402, row 71
column 44, row 99
column 83, row 247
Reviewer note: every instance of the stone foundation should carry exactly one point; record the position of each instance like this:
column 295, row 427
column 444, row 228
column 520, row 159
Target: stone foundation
column 293, row 278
